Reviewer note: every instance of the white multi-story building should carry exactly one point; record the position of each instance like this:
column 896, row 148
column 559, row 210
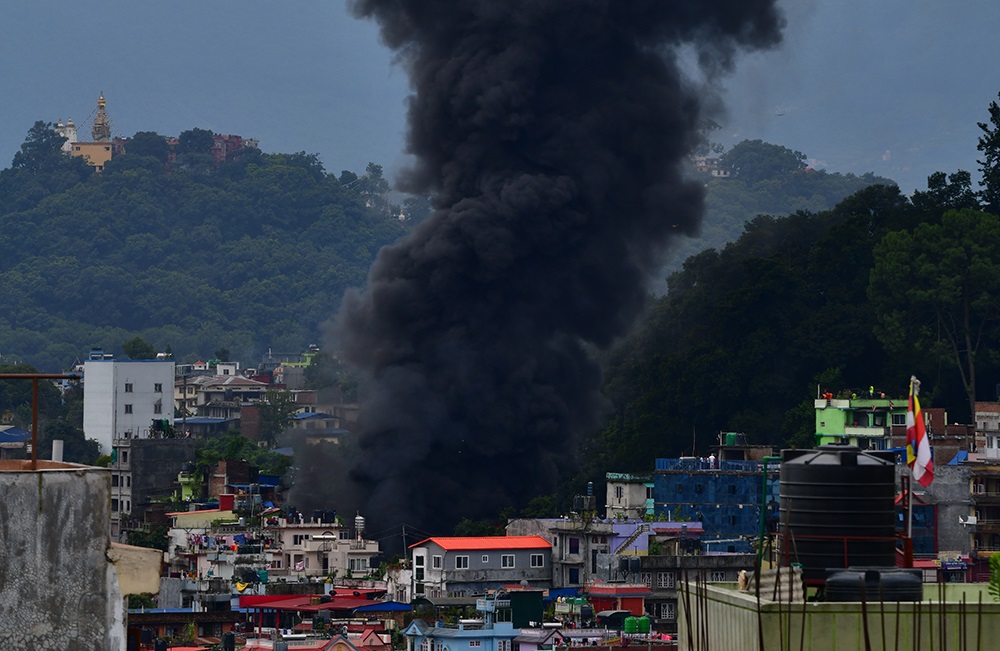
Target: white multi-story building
column 122, row 398
column 125, row 400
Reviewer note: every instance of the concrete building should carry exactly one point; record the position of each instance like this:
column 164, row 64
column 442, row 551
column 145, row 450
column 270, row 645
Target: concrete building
column 469, row 566
column 576, row 542
column 663, row 574
column 215, row 396
column 123, row 398
column 725, row 496
column 63, row 580
column 865, row 422
column 144, row 470
column 950, row 494
column 629, row 496
column 207, row 546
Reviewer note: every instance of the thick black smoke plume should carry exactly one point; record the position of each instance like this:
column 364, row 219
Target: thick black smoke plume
column 551, row 134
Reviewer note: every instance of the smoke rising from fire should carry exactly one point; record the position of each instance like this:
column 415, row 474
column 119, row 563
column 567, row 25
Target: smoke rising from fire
column 551, row 134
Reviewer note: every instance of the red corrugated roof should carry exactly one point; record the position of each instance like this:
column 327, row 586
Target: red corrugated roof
column 470, row 543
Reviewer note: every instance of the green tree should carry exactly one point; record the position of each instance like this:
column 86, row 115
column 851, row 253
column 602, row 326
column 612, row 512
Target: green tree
column 934, row 290
column 76, row 447
column 276, row 411
column 148, row 143
column 195, row 141
column 138, row 348
column 754, row 161
column 153, row 536
column 41, row 149
column 989, row 145
column 946, row 192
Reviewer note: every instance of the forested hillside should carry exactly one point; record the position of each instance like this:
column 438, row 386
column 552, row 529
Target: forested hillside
column 256, row 253
column 879, row 288
column 194, row 256
column 766, row 179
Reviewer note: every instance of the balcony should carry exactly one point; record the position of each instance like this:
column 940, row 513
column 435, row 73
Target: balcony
column 867, row 432
column 986, row 497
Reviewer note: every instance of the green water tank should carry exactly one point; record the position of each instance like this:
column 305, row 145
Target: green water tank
column 730, row 438
column 631, row 624
column 644, row 624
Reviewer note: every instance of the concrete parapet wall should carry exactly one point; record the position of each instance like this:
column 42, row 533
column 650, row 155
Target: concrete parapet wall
column 57, row 588
column 712, row 617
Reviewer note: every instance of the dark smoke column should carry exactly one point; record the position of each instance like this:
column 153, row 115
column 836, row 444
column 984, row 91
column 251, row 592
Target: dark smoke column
column 551, row 134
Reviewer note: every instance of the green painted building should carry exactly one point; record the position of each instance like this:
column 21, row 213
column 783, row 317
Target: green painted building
column 863, row 422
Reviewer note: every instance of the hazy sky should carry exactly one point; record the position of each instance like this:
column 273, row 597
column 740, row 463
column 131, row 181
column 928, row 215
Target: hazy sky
column 891, row 86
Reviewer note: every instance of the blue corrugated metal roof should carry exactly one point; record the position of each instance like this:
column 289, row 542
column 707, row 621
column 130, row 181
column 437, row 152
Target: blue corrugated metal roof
column 204, row 420
column 14, row 435
column 963, row 455
column 384, row 606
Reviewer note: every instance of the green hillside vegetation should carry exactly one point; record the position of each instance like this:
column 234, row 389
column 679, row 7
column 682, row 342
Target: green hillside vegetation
column 879, row 288
column 244, row 255
column 766, row 179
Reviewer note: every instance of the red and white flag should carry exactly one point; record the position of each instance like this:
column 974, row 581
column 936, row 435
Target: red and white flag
column 918, row 445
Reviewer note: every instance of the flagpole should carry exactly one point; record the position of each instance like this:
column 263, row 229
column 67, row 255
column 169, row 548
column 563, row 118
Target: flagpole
column 908, row 540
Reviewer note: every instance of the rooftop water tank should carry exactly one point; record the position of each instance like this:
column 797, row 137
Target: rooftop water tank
column 838, row 509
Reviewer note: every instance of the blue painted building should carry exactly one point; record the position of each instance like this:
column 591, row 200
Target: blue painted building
column 495, row 631
column 725, row 496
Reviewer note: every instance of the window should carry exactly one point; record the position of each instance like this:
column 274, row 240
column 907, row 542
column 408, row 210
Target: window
column 114, row 480
column 299, row 538
column 128, row 387
column 503, row 645
column 649, row 492
column 128, row 409
column 475, row 643
column 899, row 419
column 418, row 561
column 436, row 562
column 665, row 580
column 574, row 575
column 461, row 562
column 124, row 456
column 647, row 578
column 574, row 545
column 668, row 611
column 114, row 505
column 486, row 559
column 619, row 492
column 418, row 573
column 158, row 387
column 157, row 408
column 717, row 576
column 507, row 560
column 537, row 560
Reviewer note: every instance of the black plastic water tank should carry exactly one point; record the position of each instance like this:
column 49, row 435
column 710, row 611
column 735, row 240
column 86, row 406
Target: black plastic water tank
column 838, row 508
column 874, row 584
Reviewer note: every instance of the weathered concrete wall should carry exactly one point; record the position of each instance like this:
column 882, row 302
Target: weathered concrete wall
column 950, row 491
column 155, row 464
column 711, row 617
column 57, row 588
